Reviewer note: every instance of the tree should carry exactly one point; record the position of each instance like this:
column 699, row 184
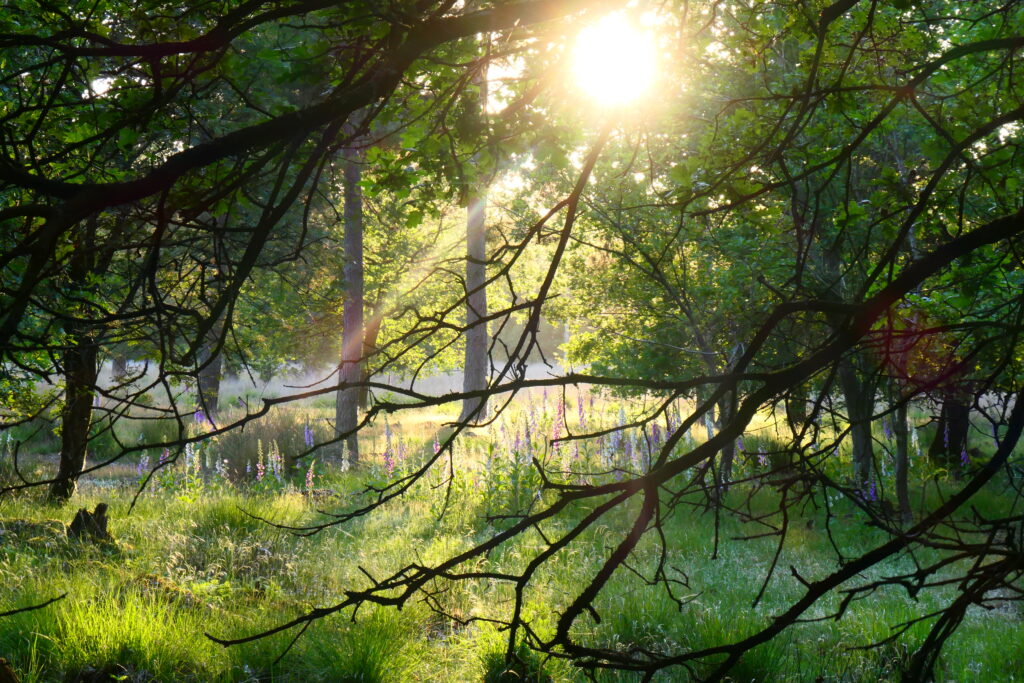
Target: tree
column 350, row 371
column 786, row 108
column 475, row 368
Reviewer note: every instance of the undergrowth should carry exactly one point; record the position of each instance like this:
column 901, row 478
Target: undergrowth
column 197, row 556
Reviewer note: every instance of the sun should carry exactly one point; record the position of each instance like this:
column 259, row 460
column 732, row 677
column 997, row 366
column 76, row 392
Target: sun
column 614, row 61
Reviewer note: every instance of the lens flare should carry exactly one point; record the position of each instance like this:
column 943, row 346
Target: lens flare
column 614, row 61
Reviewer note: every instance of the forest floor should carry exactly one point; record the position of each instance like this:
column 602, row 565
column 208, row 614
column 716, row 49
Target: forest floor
column 192, row 559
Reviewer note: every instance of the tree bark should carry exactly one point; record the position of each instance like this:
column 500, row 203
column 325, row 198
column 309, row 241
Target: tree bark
column 80, row 374
column 796, row 406
column 210, row 367
column 475, row 367
column 950, row 438
column 76, row 415
column 346, row 409
column 901, row 432
column 474, row 376
column 119, row 366
column 370, row 334
column 860, row 408
column 728, row 452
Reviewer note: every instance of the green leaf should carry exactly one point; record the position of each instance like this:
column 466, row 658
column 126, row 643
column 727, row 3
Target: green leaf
column 414, row 218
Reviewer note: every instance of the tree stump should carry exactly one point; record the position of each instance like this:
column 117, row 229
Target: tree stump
column 91, row 526
column 7, row 674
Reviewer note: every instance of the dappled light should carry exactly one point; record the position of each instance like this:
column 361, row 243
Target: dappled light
column 511, row 341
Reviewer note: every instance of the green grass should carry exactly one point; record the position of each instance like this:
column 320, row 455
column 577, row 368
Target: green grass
column 187, row 565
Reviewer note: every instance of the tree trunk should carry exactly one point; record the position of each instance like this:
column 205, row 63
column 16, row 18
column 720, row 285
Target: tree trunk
column 901, row 433
column 709, row 422
column 950, row 439
column 119, row 367
column 370, row 335
column 80, row 382
column 796, row 405
column 728, row 452
column 346, row 409
column 475, row 370
column 210, row 367
column 860, row 409
column 80, row 374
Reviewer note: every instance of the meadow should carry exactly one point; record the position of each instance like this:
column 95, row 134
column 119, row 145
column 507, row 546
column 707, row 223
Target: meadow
column 194, row 555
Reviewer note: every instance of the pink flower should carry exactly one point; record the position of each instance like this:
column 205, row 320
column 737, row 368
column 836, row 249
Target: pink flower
column 309, row 475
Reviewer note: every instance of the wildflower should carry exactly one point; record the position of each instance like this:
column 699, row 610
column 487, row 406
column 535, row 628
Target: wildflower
column 344, row 458
column 579, row 410
column 965, row 459
column 437, row 446
column 913, row 439
column 504, row 432
column 310, row 473
column 606, row 449
column 762, row 460
column 556, row 429
column 276, row 461
column 200, row 417
column 143, row 465
column 308, row 436
column 869, row 493
column 164, row 457
column 739, row 444
column 886, row 430
column 261, row 468
column 389, row 462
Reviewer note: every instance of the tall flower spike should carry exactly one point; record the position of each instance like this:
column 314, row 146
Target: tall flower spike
column 556, row 429
column 310, row 474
